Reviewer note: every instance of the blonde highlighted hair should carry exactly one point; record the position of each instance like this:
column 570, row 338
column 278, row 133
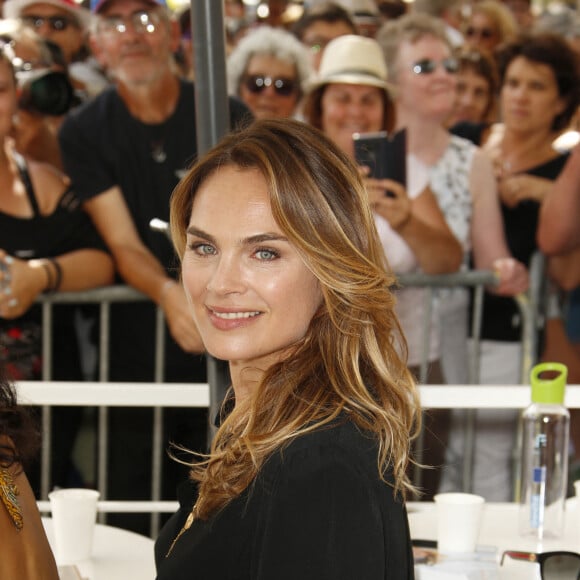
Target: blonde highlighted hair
column 348, row 363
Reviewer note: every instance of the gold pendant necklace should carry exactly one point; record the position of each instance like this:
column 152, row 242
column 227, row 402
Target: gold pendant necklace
column 185, row 527
column 9, row 493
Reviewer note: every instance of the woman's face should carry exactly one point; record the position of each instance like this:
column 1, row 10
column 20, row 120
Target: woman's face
column 348, row 109
column 269, row 87
column 425, row 79
column 472, row 98
column 250, row 292
column 482, row 32
column 7, row 99
column 529, row 96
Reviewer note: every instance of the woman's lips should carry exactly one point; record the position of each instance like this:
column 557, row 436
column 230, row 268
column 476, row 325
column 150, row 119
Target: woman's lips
column 228, row 319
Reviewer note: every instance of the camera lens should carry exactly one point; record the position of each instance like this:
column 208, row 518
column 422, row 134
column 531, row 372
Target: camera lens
column 45, row 92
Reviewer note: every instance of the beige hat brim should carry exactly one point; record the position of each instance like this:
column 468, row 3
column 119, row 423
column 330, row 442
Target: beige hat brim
column 349, row 79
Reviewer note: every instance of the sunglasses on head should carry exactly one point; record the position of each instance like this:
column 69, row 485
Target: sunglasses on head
column 486, row 33
column 282, row 85
column 553, row 565
column 56, row 23
column 426, row 66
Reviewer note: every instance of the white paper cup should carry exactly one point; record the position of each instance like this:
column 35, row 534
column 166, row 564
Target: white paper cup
column 458, row 519
column 74, row 513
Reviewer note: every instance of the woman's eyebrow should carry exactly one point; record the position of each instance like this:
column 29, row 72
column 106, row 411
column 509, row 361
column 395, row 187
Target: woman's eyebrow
column 255, row 239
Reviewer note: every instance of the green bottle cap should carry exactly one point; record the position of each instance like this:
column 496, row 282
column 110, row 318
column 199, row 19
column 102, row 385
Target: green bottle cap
column 549, row 390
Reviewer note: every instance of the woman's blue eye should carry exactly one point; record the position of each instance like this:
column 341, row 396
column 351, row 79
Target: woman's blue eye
column 203, row 249
column 267, row 254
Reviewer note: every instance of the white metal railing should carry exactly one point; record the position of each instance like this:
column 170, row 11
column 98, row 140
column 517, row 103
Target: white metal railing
column 179, row 395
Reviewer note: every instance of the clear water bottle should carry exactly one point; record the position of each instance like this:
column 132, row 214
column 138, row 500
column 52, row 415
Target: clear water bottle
column 544, row 476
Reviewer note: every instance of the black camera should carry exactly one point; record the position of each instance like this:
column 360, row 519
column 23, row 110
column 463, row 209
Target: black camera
column 44, row 91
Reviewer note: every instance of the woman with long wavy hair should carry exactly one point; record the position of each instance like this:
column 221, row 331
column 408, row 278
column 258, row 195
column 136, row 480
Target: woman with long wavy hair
column 287, row 280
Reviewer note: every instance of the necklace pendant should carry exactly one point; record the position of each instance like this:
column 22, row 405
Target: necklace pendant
column 9, row 494
column 158, row 154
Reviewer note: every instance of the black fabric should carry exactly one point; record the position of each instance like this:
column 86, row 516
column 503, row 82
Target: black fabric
column 317, row 511
column 501, row 317
column 471, row 131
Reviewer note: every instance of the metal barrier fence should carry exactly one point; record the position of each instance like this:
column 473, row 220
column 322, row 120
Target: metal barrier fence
column 530, row 306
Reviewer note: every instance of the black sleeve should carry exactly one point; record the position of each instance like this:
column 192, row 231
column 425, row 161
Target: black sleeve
column 71, row 228
column 83, row 154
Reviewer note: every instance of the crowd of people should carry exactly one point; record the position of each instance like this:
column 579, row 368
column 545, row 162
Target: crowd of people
column 98, row 129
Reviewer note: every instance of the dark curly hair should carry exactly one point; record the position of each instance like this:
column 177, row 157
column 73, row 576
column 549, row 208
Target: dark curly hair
column 552, row 50
column 17, row 423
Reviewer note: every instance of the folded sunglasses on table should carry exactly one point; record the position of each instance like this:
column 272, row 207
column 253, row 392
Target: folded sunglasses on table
column 553, row 565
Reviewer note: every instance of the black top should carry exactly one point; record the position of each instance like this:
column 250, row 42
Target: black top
column 103, row 145
column 471, row 131
column 501, row 317
column 317, row 511
column 65, row 229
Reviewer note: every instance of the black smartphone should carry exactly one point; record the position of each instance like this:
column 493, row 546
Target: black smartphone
column 384, row 154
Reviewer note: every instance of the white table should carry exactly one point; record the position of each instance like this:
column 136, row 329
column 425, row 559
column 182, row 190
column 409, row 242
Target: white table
column 117, row 554
column 499, row 528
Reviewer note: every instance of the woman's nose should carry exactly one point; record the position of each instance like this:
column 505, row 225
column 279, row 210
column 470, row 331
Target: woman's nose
column 226, row 277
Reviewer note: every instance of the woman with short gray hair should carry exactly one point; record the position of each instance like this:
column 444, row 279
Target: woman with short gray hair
column 268, row 70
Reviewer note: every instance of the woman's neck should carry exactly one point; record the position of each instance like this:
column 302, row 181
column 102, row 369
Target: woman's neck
column 245, row 380
column 426, row 139
column 520, row 151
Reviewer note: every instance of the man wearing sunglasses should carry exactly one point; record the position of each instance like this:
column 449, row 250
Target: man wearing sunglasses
column 125, row 151
column 63, row 22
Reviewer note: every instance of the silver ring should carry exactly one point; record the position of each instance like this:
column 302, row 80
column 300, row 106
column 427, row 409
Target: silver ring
column 12, row 302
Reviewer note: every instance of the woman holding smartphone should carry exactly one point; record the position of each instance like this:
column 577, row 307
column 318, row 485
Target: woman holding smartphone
column 351, row 95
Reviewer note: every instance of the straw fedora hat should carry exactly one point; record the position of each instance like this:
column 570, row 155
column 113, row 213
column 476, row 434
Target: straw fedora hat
column 352, row 60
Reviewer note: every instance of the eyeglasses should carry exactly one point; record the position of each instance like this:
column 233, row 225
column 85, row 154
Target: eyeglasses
column 553, row 565
column 56, row 23
column 142, row 22
column 283, row 86
column 485, row 33
column 427, row 66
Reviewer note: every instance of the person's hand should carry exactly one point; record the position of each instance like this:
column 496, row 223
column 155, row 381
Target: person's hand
column 21, row 282
column 178, row 315
column 519, row 187
column 389, row 199
column 512, row 275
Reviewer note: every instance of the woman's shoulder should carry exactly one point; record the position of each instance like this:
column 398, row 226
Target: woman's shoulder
column 340, row 444
column 49, row 185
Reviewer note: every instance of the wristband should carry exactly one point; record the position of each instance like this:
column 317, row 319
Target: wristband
column 53, row 282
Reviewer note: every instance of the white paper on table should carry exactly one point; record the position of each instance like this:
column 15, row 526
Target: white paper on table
column 482, row 565
column 69, row 573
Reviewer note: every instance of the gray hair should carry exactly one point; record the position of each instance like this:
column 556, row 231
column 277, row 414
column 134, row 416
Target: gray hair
column 266, row 40
column 408, row 28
